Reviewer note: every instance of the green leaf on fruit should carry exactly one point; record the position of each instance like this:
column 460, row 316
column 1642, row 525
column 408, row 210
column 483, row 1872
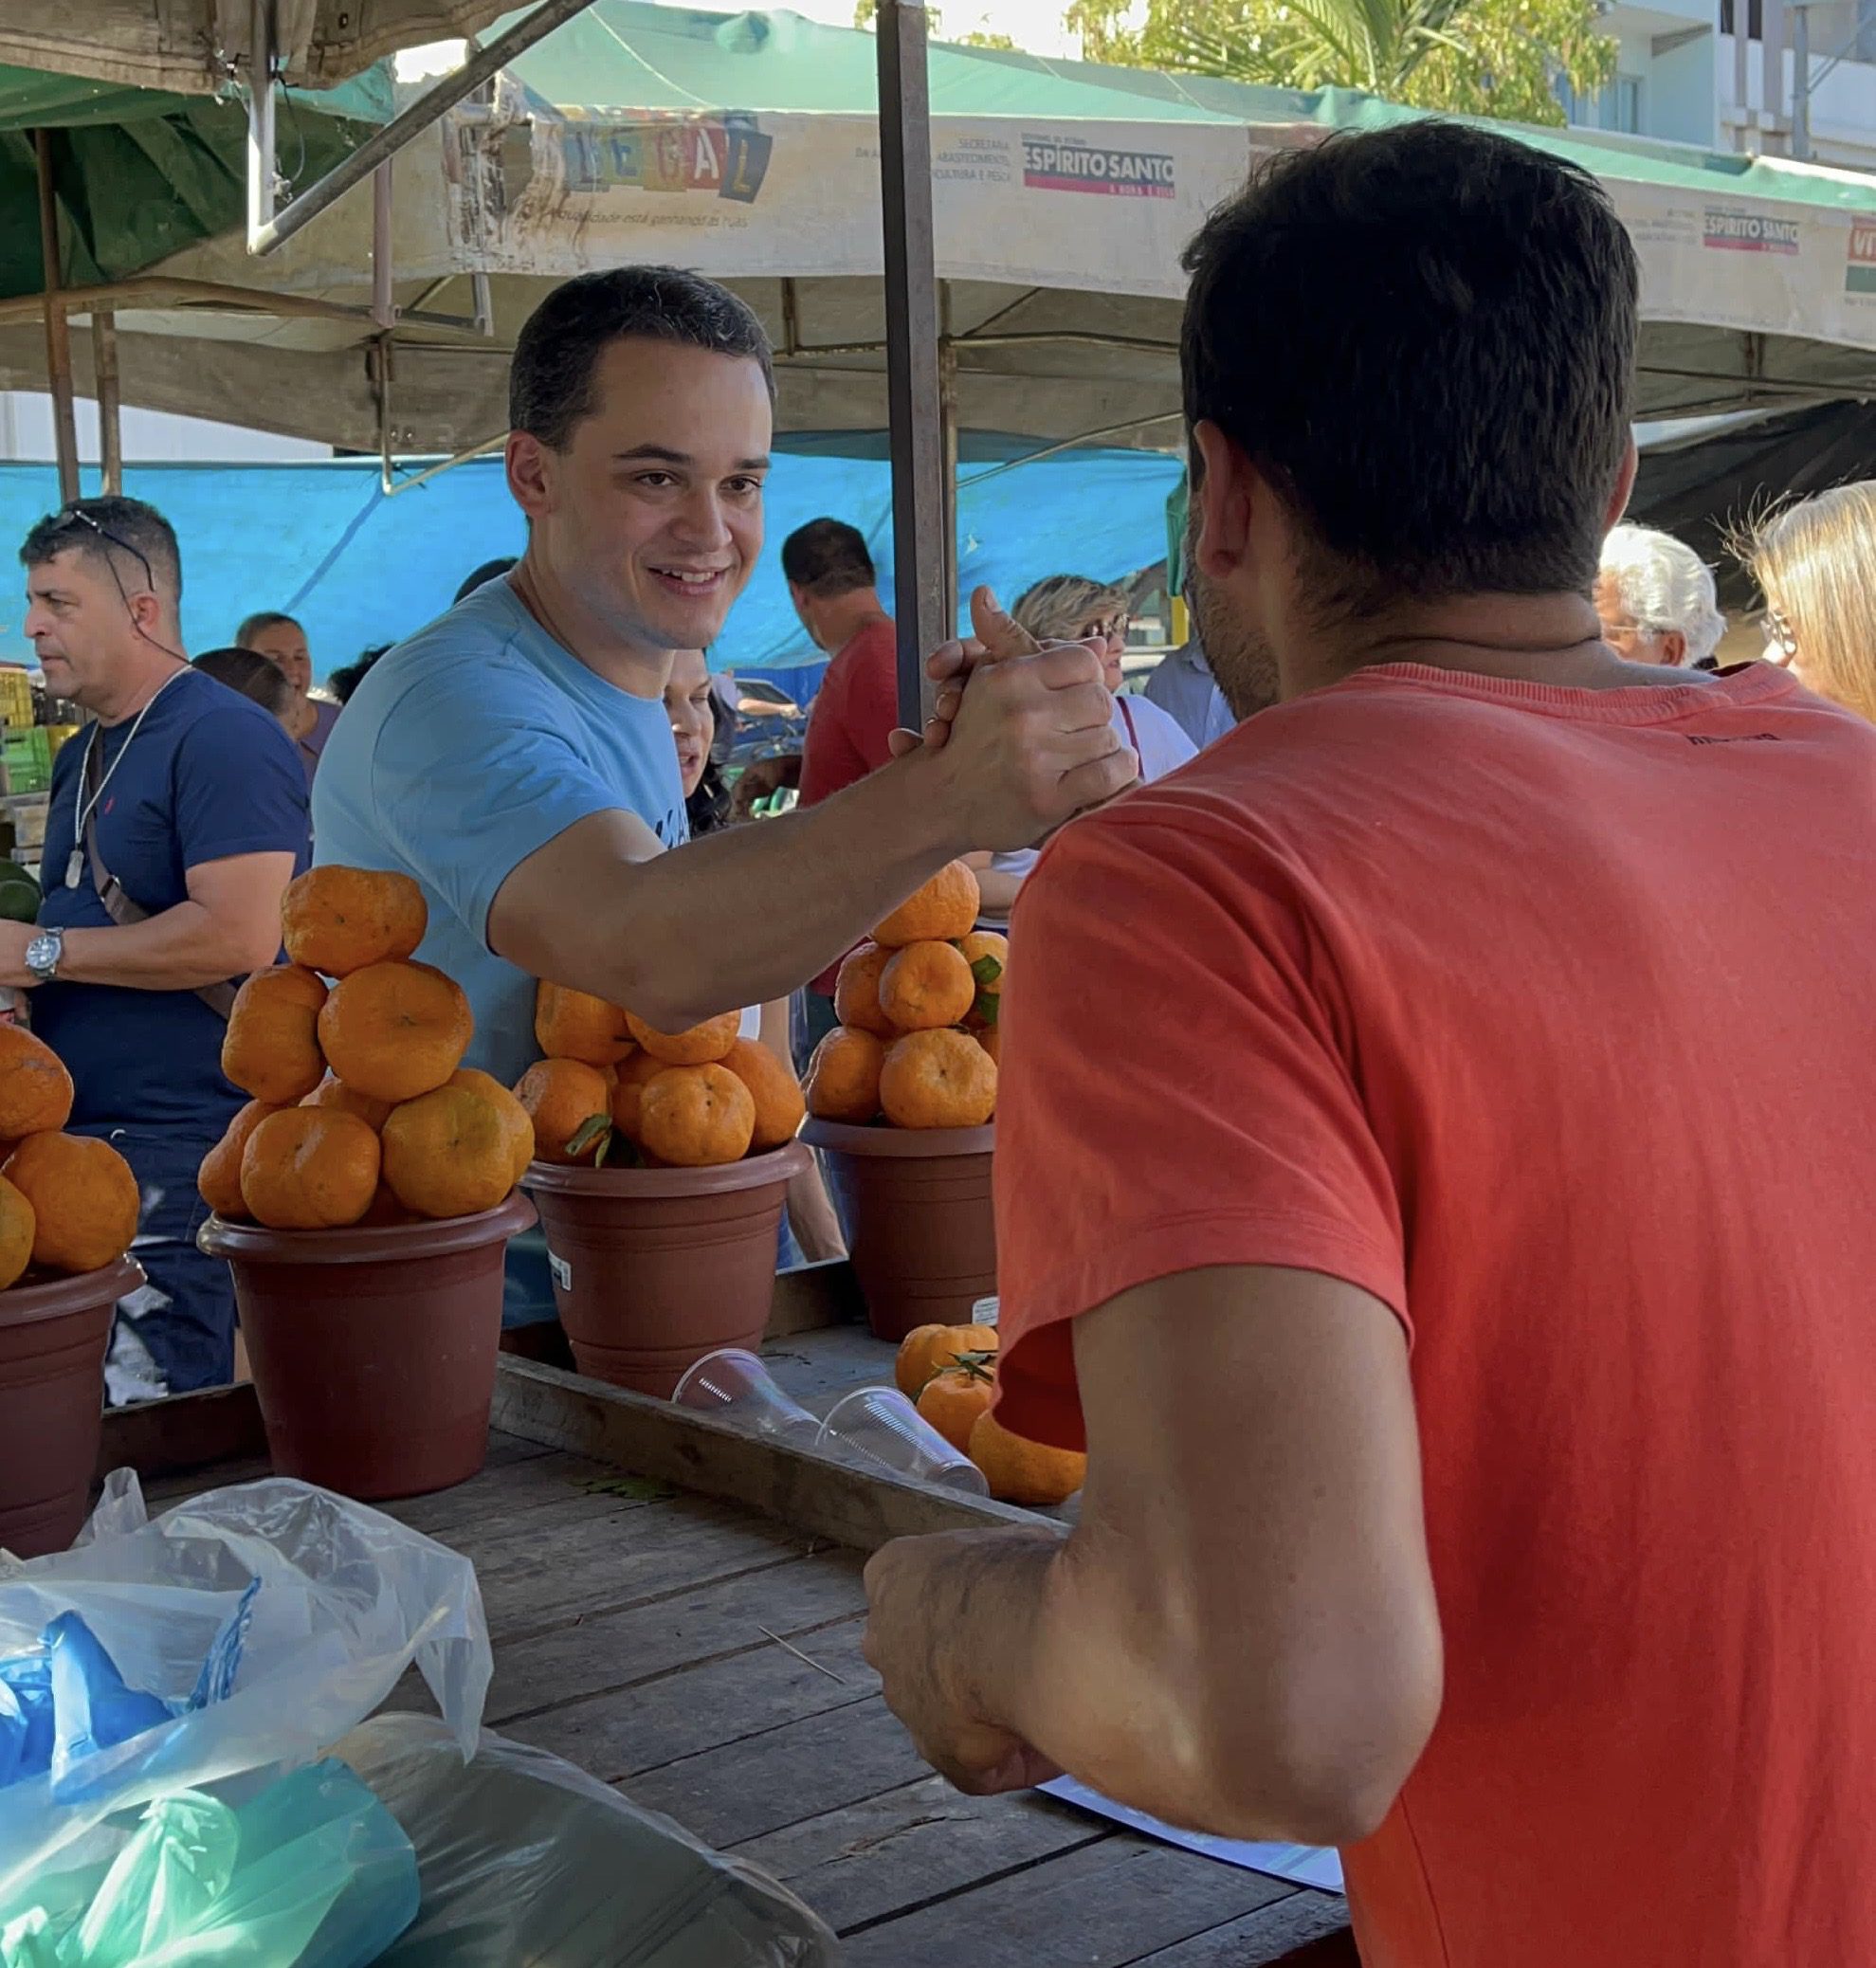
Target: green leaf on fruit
column 593, row 1132
column 987, row 969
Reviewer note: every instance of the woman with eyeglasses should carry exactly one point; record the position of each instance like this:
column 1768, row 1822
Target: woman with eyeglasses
column 1073, row 608
column 1815, row 565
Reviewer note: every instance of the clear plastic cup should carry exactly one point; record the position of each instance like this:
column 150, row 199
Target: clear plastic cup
column 879, row 1425
column 735, row 1387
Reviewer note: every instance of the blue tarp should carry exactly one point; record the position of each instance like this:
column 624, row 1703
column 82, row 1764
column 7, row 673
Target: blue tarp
column 323, row 542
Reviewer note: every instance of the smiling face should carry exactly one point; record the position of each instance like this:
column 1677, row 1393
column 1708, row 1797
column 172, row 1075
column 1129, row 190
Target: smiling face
column 651, row 516
column 283, row 644
column 687, row 705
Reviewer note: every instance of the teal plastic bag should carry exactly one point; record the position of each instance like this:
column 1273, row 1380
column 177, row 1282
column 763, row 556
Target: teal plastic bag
column 311, row 1872
column 237, row 1635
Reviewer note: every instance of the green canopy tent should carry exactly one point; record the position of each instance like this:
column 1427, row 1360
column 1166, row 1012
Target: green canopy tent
column 99, row 182
column 746, row 145
column 142, row 174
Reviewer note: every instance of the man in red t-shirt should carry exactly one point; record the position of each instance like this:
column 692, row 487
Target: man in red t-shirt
column 1433, row 1183
column 835, row 592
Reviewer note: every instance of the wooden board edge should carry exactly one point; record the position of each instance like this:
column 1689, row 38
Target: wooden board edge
column 182, row 1433
column 811, row 1493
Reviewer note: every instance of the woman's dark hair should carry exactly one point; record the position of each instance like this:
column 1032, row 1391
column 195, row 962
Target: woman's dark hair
column 489, row 570
column 708, row 807
column 347, row 678
column 1424, row 337
column 550, row 380
column 250, row 673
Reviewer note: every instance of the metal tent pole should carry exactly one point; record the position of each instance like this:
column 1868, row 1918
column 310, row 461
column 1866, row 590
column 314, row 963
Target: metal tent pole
column 58, row 330
column 916, row 442
column 267, row 227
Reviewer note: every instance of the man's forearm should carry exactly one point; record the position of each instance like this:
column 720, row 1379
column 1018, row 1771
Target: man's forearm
column 183, row 949
column 1041, row 1639
column 754, row 912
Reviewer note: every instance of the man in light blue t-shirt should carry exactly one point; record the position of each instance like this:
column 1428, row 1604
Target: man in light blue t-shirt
column 515, row 756
column 464, row 751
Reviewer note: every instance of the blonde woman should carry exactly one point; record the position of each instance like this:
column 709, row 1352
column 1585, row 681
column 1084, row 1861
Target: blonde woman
column 1815, row 565
column 1072, row 608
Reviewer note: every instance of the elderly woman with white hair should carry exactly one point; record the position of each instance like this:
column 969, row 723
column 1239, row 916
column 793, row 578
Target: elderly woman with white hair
column 1073, row 608
column 1657, row 600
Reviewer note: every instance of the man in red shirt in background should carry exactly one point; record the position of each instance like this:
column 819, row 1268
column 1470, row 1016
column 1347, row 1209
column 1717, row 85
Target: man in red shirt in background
column 835, row 589
column 1434, row 1184
column 835, row 592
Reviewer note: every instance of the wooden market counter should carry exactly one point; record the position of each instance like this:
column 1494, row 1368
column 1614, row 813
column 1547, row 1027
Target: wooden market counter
column 676, row 1607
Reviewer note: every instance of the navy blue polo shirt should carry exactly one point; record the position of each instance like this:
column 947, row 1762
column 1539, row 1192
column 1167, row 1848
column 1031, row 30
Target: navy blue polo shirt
column 208, row 776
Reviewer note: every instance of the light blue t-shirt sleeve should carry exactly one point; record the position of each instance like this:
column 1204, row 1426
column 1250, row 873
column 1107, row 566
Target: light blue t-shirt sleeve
column 466, row 784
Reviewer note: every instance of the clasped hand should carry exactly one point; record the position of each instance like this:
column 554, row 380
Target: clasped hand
column 1024, row 730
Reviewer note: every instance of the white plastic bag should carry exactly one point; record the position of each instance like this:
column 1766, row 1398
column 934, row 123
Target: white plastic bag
column 274, row 1615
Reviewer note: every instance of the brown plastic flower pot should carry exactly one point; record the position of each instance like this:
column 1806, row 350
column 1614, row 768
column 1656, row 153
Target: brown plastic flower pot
column 373, row 1350
column 655, row 1267
column 53, row 1334
column 916, row 1203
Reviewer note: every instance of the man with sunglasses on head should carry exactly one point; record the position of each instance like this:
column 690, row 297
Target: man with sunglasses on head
column 176, row 820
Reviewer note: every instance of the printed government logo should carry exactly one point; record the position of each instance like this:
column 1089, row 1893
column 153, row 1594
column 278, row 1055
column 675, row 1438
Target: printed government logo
column 1067, row 164
column 1749, row 232
column 1860, row 275
column 726, row 156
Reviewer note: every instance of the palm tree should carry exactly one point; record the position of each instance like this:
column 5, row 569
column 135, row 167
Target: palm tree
column 1371, row 44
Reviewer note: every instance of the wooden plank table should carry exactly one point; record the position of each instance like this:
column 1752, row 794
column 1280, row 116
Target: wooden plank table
column 678, row 1610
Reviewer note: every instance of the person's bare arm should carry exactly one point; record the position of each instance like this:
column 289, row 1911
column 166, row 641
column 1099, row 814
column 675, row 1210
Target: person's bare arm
column 228, row 926
column 997, row 889
column 1240, row 1635
column 811, row 1210
column 750, row 913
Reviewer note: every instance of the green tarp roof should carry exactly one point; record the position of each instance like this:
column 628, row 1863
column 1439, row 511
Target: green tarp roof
column 140, row 174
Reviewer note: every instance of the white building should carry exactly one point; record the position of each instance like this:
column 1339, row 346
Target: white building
column 1682, row 73
column 150, row 437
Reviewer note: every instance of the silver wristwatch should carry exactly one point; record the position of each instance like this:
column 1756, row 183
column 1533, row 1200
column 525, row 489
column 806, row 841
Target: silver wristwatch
column 42, row 955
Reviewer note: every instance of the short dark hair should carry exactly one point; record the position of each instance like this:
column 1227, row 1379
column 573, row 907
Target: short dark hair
column 828, row 557
column 250, row 673
column 550, row 380
column 347, row 678
column 118, row 530
column 1425, row 337
column 489, row 570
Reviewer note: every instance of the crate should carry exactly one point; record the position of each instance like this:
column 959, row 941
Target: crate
column 27, row 814
column 28, row 755
column 58, row 735
column 15, row 697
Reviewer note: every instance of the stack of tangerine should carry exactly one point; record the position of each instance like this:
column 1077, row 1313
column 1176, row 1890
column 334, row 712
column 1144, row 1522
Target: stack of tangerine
column 68, row 1204
column 918, row 1006
column 612, row 1087
column 950, row 1372
column 363, row 1112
